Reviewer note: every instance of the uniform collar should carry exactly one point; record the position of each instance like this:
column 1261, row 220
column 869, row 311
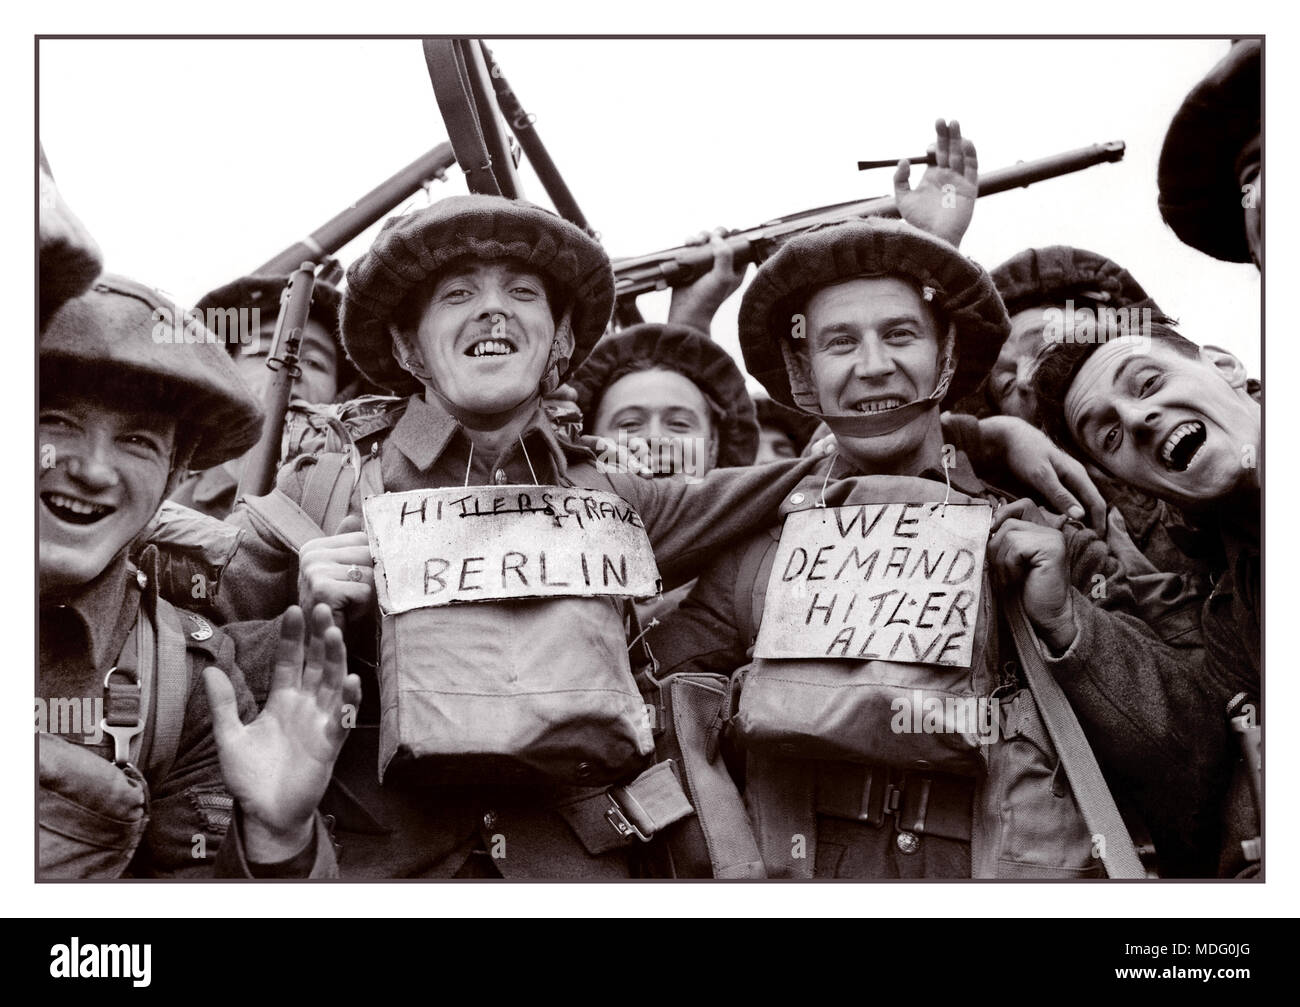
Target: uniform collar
column 100, row 607
column 961, row 474
column 426, row 431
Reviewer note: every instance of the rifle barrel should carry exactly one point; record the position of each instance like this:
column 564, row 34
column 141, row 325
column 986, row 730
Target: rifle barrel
column 346, row 225
column 677, row 266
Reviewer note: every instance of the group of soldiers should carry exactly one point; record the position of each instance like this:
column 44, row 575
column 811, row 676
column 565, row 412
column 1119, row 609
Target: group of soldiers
column 268, row 712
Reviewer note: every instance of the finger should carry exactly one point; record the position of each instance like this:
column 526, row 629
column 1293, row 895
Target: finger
column 225, row 711
column 719, row 232
column 343, row 556
column 971, row 161
column 1022, row 509
column 351, row 523
column 1076, row 478
column 901, row 175
column 322, row 621
column 288, row 651
column 956, row 162
column 723, row 257
column 940, row 143
column 334, row 669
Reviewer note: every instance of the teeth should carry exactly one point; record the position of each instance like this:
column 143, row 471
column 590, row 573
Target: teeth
column 491, row 347
column 76, row 506
column 1180, row 431
column 879, row 405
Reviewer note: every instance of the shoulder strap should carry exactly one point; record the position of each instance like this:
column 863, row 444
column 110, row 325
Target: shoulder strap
column 288, row 522
column 164, row 669
column 327, row 489
column 751, row 582
column 1090, row 790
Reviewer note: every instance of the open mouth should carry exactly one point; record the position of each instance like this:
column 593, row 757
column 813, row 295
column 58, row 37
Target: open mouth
column 491, row 348
column 75, row 511
column 1182, row 445
column 879, row 405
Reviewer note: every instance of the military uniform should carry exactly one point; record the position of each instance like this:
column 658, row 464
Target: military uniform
column 407, row 829
column 171, row 814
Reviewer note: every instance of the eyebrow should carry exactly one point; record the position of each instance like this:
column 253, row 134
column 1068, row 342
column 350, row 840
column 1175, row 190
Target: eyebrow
column 1088, row 416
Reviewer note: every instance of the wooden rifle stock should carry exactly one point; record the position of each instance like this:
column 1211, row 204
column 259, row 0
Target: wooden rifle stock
column 260, row 463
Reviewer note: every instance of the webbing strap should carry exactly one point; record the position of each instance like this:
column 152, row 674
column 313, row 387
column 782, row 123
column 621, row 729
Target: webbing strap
column 1088, row 785
column 288, row 522
column 728, row 835
column 751, row 583
column 327, row 490
column 617, row 817
column 171, row 677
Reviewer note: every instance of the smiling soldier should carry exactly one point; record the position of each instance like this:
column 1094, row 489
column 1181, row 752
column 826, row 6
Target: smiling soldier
column 1178, row 421
column 894, row 321
column 120, row 417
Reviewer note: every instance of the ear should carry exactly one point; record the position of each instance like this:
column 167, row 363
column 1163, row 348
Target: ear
column 407, row 355
column 1230, row 368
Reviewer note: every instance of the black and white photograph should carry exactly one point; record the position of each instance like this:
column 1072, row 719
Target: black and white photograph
column 760, row 459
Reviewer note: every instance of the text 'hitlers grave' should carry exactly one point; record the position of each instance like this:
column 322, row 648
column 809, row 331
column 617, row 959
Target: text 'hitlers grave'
column 895, row 582
column 438, row 547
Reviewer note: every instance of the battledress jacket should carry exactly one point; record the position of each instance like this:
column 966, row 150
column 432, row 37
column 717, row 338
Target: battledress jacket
column 440, row 831
column 1145, row 705
column 81, row 637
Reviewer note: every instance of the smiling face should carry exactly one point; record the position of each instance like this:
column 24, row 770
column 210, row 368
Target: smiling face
column 108, row 472
column 485, row 335
column 1181, row 427
column 1009, row 381
column 873, row 345
column 669, row 412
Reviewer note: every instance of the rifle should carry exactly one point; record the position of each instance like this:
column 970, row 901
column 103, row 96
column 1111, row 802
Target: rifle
column 260, row 463
column 676, row 267
column 343, row 227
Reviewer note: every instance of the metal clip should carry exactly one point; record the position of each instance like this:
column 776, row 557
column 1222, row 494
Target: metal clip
column 120, row 733
column 620, row 822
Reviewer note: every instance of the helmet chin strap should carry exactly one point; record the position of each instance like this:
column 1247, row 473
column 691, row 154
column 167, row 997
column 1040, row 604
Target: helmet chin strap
column 877, row 424
column 889, row 420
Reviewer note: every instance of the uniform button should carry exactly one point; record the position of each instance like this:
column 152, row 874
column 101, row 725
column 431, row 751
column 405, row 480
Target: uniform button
column 490, row 820
column 500, row 477
column 907, row 842
column 798, row 498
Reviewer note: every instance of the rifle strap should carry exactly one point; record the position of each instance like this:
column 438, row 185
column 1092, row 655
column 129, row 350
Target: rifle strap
column 1086, row 781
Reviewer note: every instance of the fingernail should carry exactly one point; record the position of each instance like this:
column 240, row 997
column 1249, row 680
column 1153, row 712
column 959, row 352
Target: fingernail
column 1076, row 512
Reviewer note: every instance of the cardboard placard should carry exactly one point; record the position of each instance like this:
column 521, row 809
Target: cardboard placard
column 897, row 582
column 488, row 543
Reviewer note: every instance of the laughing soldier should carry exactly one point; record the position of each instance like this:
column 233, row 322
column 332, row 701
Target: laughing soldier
column 862, row 325
column 122, row 414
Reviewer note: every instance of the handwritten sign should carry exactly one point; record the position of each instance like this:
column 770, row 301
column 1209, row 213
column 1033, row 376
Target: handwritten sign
column 896, row 582
column 486, row 543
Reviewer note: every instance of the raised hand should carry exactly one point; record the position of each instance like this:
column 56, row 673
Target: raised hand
column 1030, row 557
column 944, row 201
column 695, row 304
column 278, row 766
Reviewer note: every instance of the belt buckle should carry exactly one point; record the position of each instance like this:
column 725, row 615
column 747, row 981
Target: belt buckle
column 917, row 787
column 621, row 823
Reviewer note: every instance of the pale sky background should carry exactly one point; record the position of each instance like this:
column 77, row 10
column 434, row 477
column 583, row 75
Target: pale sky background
column 189, row 163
